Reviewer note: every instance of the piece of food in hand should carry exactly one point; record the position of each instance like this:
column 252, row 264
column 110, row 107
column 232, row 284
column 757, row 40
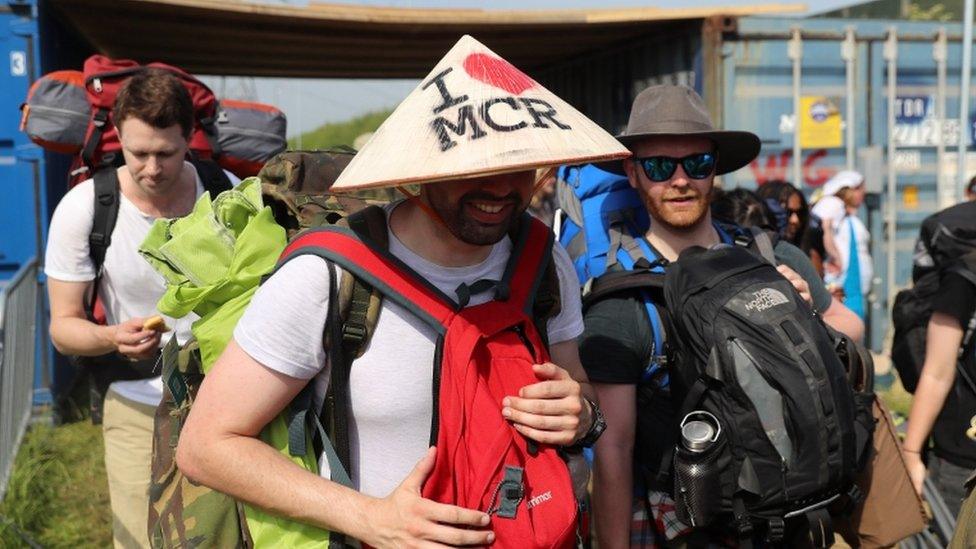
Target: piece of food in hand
column 155, row 323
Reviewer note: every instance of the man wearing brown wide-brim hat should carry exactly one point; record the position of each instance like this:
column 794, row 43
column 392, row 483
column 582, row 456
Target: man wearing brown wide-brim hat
column 677, row 152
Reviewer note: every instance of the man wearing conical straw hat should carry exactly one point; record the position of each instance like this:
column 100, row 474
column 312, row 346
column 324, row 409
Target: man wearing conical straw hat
column 472, row 135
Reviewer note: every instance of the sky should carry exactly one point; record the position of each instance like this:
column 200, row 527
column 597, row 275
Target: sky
column 309, row 103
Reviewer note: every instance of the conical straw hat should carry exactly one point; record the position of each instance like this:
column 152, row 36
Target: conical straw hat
column 475, row 114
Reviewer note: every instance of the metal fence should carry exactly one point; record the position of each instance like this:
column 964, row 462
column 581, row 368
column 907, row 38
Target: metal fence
column 18, row 326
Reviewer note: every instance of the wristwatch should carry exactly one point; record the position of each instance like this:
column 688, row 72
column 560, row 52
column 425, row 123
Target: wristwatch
column 596, row 428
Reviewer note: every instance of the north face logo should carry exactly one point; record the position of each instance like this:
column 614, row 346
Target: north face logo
column 765, row 299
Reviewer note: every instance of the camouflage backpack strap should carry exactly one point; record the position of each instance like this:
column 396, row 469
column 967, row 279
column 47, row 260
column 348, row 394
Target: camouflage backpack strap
column 358, row 308
column 359, row 303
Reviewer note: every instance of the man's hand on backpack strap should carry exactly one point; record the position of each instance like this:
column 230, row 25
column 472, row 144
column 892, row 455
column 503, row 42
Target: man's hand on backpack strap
column 133, row 341
column 552, row 411
column 405, row 519
column 797, row 281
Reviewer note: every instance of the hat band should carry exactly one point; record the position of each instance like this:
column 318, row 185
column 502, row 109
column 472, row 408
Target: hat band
column 670, row 126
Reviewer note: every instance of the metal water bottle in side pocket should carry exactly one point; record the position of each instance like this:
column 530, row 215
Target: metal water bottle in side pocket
column 697, row 488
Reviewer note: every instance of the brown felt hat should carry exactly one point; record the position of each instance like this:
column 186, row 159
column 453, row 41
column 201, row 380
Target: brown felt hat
column 669, row 110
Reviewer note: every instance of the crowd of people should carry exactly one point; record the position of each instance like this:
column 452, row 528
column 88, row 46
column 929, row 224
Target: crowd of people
column 602, row 376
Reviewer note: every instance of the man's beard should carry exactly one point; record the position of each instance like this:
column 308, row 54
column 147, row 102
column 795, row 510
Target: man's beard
column 662, row 213
column 469, row 230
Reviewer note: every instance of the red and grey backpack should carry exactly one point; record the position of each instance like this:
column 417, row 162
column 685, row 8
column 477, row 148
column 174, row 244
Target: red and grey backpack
column 483, row 354
column 69, row 112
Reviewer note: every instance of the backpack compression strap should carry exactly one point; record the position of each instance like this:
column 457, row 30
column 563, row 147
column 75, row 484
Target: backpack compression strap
column 99, row 124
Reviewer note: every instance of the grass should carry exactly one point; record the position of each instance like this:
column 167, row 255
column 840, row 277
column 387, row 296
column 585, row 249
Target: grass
column 897, row 398
column 340, row 133
column 58, row 494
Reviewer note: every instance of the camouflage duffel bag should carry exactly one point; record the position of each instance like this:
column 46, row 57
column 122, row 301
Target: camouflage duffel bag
column 217, row 519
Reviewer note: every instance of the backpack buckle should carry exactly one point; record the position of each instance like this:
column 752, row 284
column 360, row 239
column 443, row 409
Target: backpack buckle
column 854, row 498
column 353, row 333
column 509, row 493
column 775, row 530
column 101, row 115
column 743, row 524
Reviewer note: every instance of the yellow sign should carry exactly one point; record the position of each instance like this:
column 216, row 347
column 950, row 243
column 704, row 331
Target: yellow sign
column 909, row 197
column 820, row 126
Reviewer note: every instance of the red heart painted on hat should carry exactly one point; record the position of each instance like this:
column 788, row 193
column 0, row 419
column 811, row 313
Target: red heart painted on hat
column 497, row 72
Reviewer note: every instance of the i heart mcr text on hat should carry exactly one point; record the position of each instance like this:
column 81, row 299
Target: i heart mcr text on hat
column 506, row 113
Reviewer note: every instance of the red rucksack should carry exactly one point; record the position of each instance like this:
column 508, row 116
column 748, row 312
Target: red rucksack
column 486, row 353
column 104, row 77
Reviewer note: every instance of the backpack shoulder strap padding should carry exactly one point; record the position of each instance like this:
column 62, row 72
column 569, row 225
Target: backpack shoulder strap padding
column 547, row 303
column 530, row 260
column 618, row 281
column 106, row 213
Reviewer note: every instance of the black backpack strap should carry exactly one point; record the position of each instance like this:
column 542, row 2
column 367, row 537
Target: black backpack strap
column 106, row 213
column 99, row 123
column 618, row 281
column 548, row 302
column 209, row 126
column 212, row 176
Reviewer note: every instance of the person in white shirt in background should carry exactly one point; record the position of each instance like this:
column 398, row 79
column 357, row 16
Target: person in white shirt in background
column 849, row 265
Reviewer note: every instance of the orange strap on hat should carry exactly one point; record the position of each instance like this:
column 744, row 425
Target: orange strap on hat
column 415, row 199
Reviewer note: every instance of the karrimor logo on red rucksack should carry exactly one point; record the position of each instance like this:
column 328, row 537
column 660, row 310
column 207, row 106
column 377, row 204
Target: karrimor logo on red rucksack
column 487, row 352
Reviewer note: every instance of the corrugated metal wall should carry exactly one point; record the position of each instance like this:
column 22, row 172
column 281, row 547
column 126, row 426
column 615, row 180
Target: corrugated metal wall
column 603, row 85
column 758, row 96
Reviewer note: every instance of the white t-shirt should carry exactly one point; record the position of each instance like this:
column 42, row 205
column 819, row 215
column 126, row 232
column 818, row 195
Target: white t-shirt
column 390, row 385
column 129, row 286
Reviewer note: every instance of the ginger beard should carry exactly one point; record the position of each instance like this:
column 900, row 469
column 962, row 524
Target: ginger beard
column 677, row 208
column 481, row 211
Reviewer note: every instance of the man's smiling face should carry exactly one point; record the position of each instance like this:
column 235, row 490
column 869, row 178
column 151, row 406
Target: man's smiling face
column 481, row 211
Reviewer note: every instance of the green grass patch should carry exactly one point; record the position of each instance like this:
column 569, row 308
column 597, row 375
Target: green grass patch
column 340, row 133
column 58, row 493
column 897, row 398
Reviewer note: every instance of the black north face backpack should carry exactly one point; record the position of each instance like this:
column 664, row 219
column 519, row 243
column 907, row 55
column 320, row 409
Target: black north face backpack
column 771, row 432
